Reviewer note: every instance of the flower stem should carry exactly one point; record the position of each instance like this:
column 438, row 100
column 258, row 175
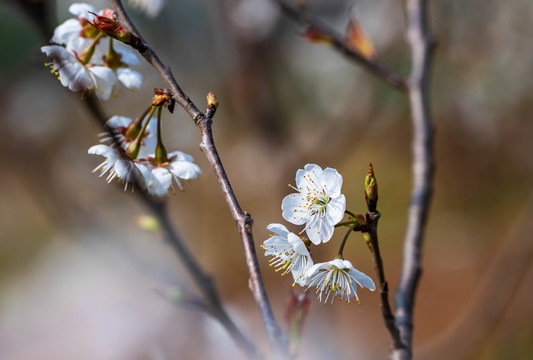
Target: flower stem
column 349, row 213
column 88, row 52
column 341, row 248
column 160, row 151
column 135, row 146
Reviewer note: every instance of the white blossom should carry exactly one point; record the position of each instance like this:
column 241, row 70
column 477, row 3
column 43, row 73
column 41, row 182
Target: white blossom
column 318, row 204
column 180, row 166
column 337, row 278
column 78, row 77
column 118, row 166
column 289, row 253
column 70, row 32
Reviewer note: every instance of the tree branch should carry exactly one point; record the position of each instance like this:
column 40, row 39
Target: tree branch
column 386, row 309
column 423, row 166
column 301, row 15
column 278, row 340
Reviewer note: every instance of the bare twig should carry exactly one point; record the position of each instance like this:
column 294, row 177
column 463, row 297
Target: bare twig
column 278, row 340
column 301, row 15
column 386, row 309
column 423, row 163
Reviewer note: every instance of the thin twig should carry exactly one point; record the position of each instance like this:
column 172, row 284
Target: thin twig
column 278, row 340
column 301, row 15
column 423, row 166
column 386, row 309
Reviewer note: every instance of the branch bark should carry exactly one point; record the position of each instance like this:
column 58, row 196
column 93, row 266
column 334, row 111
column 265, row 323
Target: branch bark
column 423, row 167
column 386, row 309
column 277, row 339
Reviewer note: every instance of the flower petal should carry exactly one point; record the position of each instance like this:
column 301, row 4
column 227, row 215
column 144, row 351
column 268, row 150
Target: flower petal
column 81, row 10
column 163, row 176
column 333, row 181
column 297, row 244
column 103, row 150
column 105, row 81
column 278, row 229
column 294, row 209
column 184, row 169
column 319, row 229
column 129, row 78
column 118, row 121
column 335, row 209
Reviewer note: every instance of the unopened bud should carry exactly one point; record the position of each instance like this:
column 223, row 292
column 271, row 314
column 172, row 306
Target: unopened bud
column 371, row 189
column 113, row 29
column 212, row 100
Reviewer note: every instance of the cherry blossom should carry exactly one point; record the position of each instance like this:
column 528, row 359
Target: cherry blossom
column 318, row 204
column 337, row 278
column 288, row 252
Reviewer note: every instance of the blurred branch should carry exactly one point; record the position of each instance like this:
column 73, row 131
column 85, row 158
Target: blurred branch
column 300, row 14
column 483, row 313
column 277, row 339
column 423, row 164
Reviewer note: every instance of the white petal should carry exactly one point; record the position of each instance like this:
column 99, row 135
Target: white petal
column 333, row 181
column 82, row 10
column 278, row 229
column 118, row 121
column 294, row 209
column 335, row 209
column 313, row 270
column 126, row 170
column 308, row 178
column 105, row 81
column 319, row 229
column 184, row 170
column 181, row 156
column 163, row 176
column 297, row 244
column 104, row 150
column 128, row 57
column 362, row 279
column 67, row 32
column 131, row 79
column 340, row 264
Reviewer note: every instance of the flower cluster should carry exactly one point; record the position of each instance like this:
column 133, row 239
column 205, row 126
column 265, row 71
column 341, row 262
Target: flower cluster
column 319, row 204
column 87, row 59
column 141, row 159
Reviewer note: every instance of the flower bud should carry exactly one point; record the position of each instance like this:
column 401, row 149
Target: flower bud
column 112, row 28
column 371, row 189
column 212, row 100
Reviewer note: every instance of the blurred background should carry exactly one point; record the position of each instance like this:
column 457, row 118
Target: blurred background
column 78, row 277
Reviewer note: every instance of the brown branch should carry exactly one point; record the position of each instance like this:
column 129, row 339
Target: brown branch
column 423, row 164
column 301, row 15
column 278, row 340
column 386, row 309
